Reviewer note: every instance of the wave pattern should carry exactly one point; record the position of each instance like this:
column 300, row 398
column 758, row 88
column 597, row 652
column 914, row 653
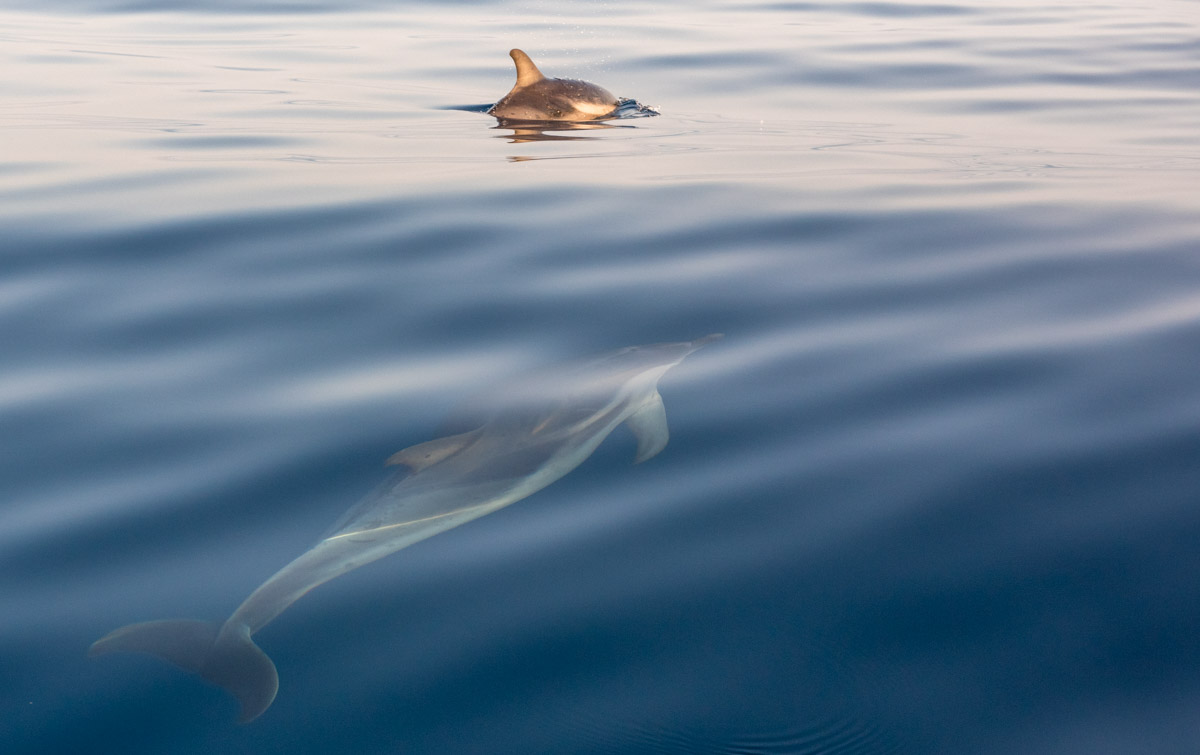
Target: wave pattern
column 934, row 492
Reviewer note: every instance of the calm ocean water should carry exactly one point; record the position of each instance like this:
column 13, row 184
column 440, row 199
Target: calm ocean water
column 937, row 490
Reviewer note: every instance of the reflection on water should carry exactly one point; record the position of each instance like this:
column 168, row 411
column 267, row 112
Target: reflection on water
column 532, row 132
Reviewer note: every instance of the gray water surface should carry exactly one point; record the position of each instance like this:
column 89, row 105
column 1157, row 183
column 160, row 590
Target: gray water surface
column 935, row 492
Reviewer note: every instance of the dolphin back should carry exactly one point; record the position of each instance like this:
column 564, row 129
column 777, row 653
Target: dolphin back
column 537, row 98
column 224, row 656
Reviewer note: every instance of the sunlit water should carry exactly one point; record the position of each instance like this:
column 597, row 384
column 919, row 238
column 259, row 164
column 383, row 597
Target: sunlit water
column 938, row 489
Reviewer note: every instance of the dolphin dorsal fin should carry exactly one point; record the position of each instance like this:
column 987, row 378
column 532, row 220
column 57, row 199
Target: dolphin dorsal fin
column 431, row 452
column 527, row 72
column 649, row 426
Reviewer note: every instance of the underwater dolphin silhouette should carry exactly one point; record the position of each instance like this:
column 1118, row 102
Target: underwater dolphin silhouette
column 539, row 430
column 537, row 98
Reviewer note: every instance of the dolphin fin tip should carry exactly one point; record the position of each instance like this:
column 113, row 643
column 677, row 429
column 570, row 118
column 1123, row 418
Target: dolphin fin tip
column 527, row 70
column 183, row 642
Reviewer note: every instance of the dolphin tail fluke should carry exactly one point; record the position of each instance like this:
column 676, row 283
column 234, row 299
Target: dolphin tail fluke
column 242, row 669
column 224, row 656
column 184, row 642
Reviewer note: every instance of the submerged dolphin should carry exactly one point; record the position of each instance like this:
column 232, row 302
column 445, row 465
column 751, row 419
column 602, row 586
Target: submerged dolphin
column 542, row 429
column 537, row 98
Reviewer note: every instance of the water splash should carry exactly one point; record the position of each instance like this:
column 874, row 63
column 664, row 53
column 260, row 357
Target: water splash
column 631, row 108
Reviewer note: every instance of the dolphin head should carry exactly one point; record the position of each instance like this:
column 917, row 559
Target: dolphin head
column 649, row 356
column 634, row 367
column 576, row 388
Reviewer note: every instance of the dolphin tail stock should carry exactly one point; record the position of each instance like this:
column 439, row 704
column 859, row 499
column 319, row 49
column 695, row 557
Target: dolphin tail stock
column 222, row 655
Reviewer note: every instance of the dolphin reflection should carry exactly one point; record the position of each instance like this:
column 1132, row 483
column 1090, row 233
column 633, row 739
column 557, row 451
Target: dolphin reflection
column 532, row 132
column 537, row 432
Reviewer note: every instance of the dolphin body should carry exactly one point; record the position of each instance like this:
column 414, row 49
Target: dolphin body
column 537, row 98
column 542, row 429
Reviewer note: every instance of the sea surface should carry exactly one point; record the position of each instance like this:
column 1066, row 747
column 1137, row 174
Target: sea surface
column 936, row 491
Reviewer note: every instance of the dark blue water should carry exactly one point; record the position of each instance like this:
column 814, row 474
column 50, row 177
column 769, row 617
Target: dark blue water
column 937, row 490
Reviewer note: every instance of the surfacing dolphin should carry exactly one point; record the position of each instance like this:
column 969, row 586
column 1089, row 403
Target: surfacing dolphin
column 539, row 430
column 537, row 98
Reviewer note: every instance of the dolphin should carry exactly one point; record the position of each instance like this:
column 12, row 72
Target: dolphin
column 537, row 431
column 537, row 98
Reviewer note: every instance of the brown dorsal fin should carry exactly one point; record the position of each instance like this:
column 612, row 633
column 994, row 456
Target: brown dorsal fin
column 431, row 452
column 527, row 72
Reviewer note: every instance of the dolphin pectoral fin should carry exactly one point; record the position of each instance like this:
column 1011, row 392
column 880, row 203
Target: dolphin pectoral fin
column 649, row 426
column 229, row 659
column 431, row 452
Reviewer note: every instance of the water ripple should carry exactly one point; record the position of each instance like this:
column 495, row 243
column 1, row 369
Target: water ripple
column 935, row 491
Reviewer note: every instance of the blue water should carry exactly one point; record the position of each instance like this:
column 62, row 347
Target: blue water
column 937, row 491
